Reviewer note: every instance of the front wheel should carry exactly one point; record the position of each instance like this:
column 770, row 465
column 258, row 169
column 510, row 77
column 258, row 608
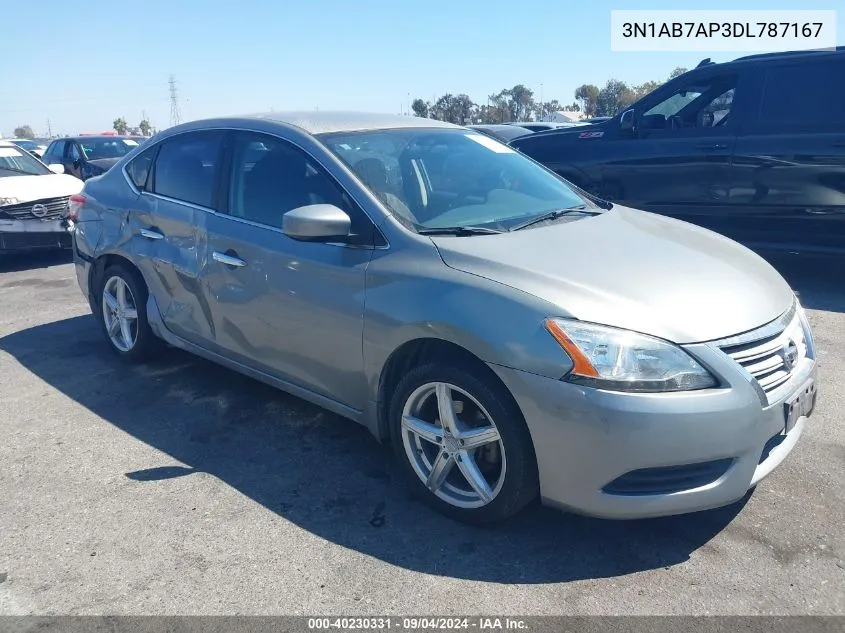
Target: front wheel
column 463, row 443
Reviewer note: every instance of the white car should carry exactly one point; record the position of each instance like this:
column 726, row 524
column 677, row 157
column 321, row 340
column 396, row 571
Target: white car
column 34, row 201
column 33, row 147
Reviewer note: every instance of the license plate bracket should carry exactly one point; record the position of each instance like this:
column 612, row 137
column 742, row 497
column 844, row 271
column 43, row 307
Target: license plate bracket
column 800, row 404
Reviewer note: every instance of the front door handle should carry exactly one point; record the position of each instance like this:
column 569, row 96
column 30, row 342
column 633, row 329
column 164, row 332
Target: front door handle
column 151, row 234
column 712, row 147
column 228, row 260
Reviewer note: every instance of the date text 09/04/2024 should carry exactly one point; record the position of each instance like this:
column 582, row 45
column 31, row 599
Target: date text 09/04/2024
column 721, row 29
column 416, row 623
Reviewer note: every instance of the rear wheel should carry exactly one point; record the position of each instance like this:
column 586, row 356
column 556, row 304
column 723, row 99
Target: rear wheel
column 123, row 317
column 463, row 444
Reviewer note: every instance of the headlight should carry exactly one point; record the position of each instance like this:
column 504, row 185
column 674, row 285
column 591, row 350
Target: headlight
column 805, row 326
column 620, row 360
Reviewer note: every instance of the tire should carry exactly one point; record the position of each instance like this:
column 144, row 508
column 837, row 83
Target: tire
column 142, row 344
column 513, row 483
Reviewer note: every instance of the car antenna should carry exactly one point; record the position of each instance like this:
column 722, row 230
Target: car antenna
column 704, row 62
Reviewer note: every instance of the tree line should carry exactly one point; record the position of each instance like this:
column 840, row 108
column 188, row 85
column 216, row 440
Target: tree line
column 122, row 127
column 119, row 125
column 511, row 104
column 518, row 103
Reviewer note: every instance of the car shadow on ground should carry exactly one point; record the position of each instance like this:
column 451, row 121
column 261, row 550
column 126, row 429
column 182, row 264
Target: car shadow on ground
column 30, row 261
column 328, row 475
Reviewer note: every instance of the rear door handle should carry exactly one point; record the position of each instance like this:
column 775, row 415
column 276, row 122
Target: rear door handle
column 228, row 260
column 714, row 146
column 151, row 234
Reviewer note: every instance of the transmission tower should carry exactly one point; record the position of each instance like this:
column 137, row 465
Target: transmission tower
column 175, row 115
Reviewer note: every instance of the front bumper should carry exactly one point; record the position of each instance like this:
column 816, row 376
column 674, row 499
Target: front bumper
column 21, row 236
column 587, row 440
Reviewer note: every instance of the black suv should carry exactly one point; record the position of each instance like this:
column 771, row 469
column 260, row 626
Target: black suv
column 753, row 149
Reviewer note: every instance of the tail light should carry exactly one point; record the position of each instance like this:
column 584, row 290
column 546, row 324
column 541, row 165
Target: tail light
column 74, row 205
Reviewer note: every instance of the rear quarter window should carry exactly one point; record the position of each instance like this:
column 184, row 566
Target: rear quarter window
column 139, row 168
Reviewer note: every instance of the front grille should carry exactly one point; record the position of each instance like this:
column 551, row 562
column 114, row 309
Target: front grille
column 47, row 209
column 770, row 354
column 667, row 479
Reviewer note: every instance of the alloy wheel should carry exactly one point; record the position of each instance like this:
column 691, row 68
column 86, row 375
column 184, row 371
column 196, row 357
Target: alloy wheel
column 453, row 445
column 120, row 314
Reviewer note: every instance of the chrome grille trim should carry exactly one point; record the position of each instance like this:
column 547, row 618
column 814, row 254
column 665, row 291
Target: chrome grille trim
column 54, row 209
column 761, row 352
column 770, row 329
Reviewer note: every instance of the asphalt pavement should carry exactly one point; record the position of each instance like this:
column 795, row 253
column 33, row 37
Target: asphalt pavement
column 180, row 487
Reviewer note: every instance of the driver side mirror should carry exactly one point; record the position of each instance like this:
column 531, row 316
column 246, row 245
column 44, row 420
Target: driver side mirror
column 317, row 223
column 56, row 168
column 628, row 123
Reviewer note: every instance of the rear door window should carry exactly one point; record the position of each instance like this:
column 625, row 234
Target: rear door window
column 55, row 152
column 804, row 96
column 186, row 166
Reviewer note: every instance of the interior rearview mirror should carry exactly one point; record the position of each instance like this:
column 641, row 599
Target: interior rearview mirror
column 317, row 223
column 56, row 168
column 628, row 122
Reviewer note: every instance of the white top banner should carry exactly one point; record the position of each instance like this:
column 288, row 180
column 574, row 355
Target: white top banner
column 722, row 30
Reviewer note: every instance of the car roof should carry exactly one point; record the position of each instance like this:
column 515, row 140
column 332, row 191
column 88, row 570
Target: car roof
column 94, row 137
column 774, row 57
column 549, row 123
column 495, row 126
column 324, row 122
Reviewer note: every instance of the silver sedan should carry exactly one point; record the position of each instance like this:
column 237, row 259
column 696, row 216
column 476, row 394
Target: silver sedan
column 510, row 335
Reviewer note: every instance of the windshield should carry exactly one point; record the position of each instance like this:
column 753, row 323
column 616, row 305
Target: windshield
column 451, row 178
column 107, row 148
column 15, row 162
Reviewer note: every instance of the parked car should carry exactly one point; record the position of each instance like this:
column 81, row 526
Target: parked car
column 508, row 334
column 87, row 156
column 33, row 201
column 753, row 149
column 32, row 146
column 542, row 126
column 596, row 119
column 504, row 133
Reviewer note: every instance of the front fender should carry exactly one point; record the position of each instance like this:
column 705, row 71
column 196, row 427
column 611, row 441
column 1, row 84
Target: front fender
column 409, row 300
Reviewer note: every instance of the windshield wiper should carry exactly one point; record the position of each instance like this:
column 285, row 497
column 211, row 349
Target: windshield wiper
column 551, row 215
column 460, row 231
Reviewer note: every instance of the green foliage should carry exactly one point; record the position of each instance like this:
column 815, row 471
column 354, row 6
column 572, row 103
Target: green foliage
column 518, row 103
column 120, row 125
column 24, row 131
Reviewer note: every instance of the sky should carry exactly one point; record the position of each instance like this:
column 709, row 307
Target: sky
column 81, row 65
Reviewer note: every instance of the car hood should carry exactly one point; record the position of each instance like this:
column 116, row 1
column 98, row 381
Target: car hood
column 27, row 188
column 634, row 270
column 105, row 163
